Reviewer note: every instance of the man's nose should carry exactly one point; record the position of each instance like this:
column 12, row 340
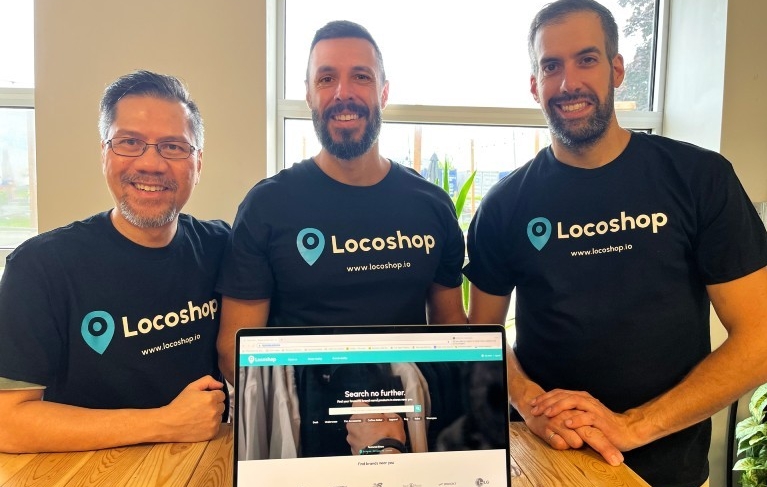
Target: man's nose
column 571, row 80
column 343, row 90
column 151, row 160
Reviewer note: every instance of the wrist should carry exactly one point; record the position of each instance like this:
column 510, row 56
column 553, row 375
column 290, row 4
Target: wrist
column 521, row 397
column 155, row 423
column 641, row 428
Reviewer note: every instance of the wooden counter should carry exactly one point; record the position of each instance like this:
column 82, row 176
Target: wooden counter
column 209, row 464
column 538, row 465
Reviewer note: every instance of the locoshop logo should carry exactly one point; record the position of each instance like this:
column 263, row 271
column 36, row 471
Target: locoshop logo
column 539, row 230
column 310, row 243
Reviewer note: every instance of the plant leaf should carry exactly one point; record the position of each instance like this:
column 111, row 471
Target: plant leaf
column 460, row 201
column 758, row 437
column 747, row 428
column 749, row 463
column 743, row 446
column 746, row 464
column 465, row 291
column 758, row 402
column 445, row 176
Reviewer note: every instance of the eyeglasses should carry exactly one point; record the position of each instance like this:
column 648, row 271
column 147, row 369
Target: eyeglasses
column 132, row 147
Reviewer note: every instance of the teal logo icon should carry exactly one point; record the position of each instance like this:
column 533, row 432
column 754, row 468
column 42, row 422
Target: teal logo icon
column 310, row 243
column 539, row 231
column 97, row 329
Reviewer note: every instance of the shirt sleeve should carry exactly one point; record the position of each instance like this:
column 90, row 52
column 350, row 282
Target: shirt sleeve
column 245, row 270
column 32, row 337
column 487, row 250
column 449, row 271
column 731, row 241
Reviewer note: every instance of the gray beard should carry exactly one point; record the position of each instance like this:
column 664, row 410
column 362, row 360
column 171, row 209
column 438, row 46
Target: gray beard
column 147, row 222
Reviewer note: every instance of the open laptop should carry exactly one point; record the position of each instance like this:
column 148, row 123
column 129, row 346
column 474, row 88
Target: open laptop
column 371, row 406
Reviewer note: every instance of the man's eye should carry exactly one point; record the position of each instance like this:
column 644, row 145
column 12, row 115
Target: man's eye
column 171, row 146
column 325, row 79
column 129, row 142
column 549, row 68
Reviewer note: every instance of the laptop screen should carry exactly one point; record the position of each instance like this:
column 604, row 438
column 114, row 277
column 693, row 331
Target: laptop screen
column 374, row 405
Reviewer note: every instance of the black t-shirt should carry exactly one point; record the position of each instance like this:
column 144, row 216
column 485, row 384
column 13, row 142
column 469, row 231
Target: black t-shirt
column 105, row 323
column 328, row 253
column 610, row 267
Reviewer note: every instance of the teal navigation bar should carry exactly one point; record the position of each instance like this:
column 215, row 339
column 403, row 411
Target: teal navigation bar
column 369, row 357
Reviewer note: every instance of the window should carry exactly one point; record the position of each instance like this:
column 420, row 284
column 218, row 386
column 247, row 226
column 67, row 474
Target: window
column 459, row 81
column 17, row 125
column 459, row 75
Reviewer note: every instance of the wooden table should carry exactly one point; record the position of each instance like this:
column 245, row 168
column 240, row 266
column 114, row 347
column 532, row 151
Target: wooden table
column 538, row 465
column 208, row 463
column 534, row 464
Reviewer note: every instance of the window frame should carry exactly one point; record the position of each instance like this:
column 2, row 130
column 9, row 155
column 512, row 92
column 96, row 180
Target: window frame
column 286, row 109
column 23, row 98
column 17, row 98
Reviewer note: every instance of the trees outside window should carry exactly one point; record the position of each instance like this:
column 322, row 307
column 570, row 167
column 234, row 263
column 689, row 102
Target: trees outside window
column 18, row 215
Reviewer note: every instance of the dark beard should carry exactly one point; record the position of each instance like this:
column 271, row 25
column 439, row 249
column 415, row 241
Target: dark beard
column 585, row 136
column 347, row 148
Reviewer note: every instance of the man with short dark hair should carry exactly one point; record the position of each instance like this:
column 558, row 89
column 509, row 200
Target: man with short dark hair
column 616, row 243
column 108, row 326
column 346, row 237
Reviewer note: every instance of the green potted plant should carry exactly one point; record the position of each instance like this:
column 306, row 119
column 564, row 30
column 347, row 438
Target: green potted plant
column 751, row 434
column 459, row 201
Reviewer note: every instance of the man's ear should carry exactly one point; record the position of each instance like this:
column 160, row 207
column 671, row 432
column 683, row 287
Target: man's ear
column 199, row 167
column 619, row 70
column 385, row 94
column 534, row 88
column 104, row 150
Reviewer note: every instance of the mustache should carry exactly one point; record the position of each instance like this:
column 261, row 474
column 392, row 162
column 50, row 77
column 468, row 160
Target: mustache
column 349, row 106
column 567, row 97
column 149, row 180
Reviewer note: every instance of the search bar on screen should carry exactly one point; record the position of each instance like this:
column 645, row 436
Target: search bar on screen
column 413, row 408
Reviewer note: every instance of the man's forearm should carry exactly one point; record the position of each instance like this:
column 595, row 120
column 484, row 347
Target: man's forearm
column 521, row 389
column 236, row 314
column 727, row 373
column 445, row 306
column 29, row 424
column 40, row 426
column 737, row 366
column 226, row 359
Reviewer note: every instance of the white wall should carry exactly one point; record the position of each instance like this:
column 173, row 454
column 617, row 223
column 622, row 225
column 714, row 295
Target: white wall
column 716, row 97
column 217, row 48
column 744, row 112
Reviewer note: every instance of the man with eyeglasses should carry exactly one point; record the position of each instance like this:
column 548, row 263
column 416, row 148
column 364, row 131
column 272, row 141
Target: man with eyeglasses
column 108, row 326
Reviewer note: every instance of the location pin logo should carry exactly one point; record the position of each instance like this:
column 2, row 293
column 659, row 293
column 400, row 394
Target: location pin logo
column 539, row 231
column 97, row 329
column 310, row 243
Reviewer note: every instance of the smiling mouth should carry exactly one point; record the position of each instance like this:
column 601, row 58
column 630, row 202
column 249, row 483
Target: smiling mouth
column 149, row 188
column 573, row 107
column 345, row 117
